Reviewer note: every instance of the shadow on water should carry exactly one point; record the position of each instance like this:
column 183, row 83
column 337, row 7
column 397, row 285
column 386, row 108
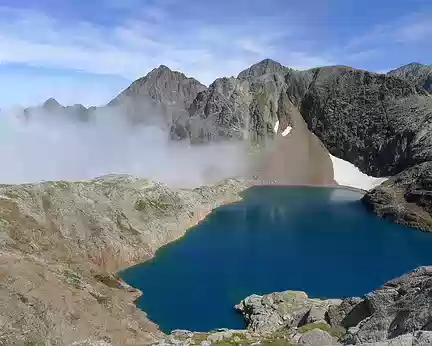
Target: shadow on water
column 319, row 240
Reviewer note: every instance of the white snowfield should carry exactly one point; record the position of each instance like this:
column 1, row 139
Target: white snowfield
column 346, row 174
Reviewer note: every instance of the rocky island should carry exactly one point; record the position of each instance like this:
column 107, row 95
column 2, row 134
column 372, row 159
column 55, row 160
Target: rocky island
column 62, row 242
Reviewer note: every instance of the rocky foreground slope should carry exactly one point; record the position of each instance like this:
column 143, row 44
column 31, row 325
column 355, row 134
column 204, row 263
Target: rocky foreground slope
column 60, row 241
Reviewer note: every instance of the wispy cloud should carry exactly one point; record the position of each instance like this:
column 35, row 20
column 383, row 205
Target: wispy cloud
column 144, row 40
column 411, row 29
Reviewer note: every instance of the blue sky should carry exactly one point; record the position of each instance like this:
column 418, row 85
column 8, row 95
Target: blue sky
column 87, row 51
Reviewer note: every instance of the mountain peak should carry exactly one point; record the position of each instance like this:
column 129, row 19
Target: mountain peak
column 165, row 86
column 263, row 67
column 417, row 73
column 51, row 103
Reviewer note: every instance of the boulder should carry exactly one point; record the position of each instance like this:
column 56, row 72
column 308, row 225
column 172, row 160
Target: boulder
column 347, row 314
column 317, row 337
column 272, row 312
column 401, row 306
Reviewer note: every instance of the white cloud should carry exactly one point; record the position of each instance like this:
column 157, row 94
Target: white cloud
column 142, row 42
column 413, row 28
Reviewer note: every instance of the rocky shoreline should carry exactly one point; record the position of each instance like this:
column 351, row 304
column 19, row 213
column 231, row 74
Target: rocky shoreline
column 399, row 313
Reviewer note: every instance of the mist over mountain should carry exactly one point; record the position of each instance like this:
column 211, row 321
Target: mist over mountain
column 52, row 142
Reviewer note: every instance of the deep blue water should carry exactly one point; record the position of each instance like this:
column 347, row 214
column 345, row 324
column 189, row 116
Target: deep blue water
column 319, row 240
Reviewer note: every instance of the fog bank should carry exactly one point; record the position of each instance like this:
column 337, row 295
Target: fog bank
column 52, row 147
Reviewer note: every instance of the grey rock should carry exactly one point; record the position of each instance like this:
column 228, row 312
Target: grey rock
column 401, row 306
column 182, row 333
column 403, row 340
column 405, row 198
column 373, row 121
column 220, row 336
column 315, row 314
column 347, row 314
column 269, row 313
column 419, row 74
column 317, row 337
column 423, row 338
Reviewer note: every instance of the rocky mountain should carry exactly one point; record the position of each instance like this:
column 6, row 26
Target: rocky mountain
column 61, row 241
column 53, row 108
column 419, row 74
column 162, row 93
column 158, row 98
column 377, row 122
column 244, row 107
column 380, row 123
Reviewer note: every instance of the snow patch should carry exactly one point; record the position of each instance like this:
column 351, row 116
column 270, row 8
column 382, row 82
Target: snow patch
column 287, row 131
column 276, row 127
column 346, row 174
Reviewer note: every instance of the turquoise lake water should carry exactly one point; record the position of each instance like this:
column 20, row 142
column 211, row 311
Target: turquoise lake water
column 318, row 240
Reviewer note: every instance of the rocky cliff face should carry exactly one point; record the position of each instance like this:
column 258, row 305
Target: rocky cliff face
column 377, row 122
column 420, row 75
column 60, row 240
column 246, row 107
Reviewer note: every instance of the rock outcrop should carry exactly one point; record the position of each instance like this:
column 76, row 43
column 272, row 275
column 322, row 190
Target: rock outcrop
column 402, row 306
column 405, row 198
column 419, row 74
column 377, row 122
column 400, row 311
column 60, row 240
column 290, row 309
